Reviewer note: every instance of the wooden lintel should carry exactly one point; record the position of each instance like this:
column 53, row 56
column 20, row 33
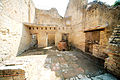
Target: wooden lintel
column 94, row 29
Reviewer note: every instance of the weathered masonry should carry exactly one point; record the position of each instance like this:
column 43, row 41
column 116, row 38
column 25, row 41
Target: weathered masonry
column 93, row 24
column 92, row 27
column 14, row 37
column 48, row 35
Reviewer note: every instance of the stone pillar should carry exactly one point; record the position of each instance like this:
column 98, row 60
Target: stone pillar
column 42, row 38
column 58, row 37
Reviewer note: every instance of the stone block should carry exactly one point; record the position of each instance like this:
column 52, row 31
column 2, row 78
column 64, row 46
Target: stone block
column 20, row 77
column 13, row 72
column 6, row 78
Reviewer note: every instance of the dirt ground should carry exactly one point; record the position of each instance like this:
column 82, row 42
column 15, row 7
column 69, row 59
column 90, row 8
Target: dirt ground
column 71, row 65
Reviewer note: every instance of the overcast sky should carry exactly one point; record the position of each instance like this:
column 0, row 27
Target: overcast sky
column 60, row 5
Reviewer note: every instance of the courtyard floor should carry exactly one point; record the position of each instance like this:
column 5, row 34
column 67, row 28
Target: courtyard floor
column 70, row 65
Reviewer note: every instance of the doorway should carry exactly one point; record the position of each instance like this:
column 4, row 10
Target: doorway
column 65, row 37
column 34, row 42
column 51, row 39
column 91, row 39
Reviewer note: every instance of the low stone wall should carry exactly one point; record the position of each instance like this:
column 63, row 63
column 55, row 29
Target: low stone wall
column 12, row 74
column 26, row 68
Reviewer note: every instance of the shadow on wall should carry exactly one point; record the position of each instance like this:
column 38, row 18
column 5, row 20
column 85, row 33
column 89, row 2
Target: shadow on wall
column 25, row 42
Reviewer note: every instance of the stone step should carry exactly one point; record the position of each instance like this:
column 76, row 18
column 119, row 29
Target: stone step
column 116, row 39
column 114, row 42
column 115, row 36
column 116, row 28
column 116, row 31
column 118, row 25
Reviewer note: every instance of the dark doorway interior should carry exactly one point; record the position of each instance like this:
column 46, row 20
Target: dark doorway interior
column 91, row 38
column 65, row 37
column 34, row 42
column 51, row 39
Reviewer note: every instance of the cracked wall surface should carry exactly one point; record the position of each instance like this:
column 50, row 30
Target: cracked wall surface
column 14, row 36
column 47, row 17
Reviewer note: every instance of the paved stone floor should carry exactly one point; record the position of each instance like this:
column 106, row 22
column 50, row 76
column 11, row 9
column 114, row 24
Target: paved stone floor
column 72, row 65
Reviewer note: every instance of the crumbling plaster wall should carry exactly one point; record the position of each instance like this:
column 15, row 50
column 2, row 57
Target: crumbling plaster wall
column 48, row 17
column 75, row 11
column 12, row 31
column 28, row 16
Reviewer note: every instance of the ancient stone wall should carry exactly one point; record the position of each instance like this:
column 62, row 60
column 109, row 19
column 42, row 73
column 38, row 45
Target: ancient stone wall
column 14, row 36
column 48, row 17
column 94, row 17
column 12, row 74
column 113, row 51
column 75, row 11
column 100, row 15
column 91, row 16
